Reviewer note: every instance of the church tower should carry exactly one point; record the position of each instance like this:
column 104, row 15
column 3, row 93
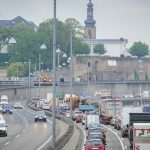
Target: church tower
column 90, row 29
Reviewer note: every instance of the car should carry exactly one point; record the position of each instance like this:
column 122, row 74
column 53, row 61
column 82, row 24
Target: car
column 3, row 128
column 18, row 105
column 83, row 120
column 100, row 130
column 40, row 116
column 7, row 108
column 124, row 130
column 112, row 122
column 96, row 135
column 1, row 117
column 1, row 108
column 79, row 118
column 94, row 144
column 118, row 123
column 76, row 114
column 67, row 114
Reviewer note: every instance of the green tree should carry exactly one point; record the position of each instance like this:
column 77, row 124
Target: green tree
column 16, row 69
column 80, row 48
column 139, row 49
column 100, row 49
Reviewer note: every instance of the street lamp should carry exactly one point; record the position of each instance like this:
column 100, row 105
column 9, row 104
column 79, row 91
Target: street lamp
column 43, row 46
column 58, row 51
column 88, row 79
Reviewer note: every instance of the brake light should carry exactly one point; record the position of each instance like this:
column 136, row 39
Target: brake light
column 101, row 147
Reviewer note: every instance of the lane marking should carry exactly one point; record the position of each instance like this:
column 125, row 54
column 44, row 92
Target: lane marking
column 24, row 130
column 122, row 145
column 49, row 139
column 84, row 136
column 6, row 143
column 122, row 139
column 17, row 136
column 125, row 147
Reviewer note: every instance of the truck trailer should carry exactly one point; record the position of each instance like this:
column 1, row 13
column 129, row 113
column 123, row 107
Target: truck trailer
column 136, row 118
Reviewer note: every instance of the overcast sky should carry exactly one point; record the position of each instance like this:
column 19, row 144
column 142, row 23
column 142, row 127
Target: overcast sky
column 114, row 18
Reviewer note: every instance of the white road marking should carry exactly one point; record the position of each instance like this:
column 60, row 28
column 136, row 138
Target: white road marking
column 84, row 137
column 17, row 136
column 125, row 147
column 6, row 143
column 122, row 139
column 24, row 130
column 49, row 139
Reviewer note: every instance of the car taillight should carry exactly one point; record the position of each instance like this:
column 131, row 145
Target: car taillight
column 101, row 147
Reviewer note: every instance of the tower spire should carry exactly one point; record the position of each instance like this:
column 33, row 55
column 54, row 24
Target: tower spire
column 90, row 29
column 90, row 21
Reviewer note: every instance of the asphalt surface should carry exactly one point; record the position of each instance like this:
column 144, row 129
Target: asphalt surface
column 23, row 132
column 114, row 140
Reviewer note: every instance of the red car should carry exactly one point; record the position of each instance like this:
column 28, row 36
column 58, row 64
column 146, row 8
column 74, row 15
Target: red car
column 94, row 144
column 100, row 130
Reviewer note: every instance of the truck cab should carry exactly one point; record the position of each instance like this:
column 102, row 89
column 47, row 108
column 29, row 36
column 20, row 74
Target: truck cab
column 3, row 128
column 7, row 108
column 4, row 99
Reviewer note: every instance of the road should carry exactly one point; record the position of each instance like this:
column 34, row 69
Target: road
column 23, row 132
column 113, row 137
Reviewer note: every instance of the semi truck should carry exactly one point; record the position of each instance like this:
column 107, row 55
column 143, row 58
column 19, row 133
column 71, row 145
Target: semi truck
column 141, row 138
column 136, row 118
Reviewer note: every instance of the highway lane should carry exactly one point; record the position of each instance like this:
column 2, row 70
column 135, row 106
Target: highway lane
column 124, row 140
column 23, row 132
column 113, row 142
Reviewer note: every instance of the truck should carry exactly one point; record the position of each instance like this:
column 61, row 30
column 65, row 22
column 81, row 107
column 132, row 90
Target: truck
column 141, row 138
column 91, row 118
column 4, row 99
column 136, row 118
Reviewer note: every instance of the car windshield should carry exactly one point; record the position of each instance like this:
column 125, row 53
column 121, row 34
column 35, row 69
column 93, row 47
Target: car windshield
column 94, row 142
column 95, row 136
column 78, row 112
column 95, row 125
column 17, row 104
column 2, row 125
column 7, row 106
column 40, row 113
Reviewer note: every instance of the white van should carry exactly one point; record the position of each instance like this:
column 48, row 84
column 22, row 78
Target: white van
column 4, row 99
column 3, row 128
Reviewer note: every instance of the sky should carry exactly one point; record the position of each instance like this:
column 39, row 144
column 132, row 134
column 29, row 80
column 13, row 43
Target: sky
column 114, row 18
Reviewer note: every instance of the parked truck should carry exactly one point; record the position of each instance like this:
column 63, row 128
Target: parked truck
column 136, row 118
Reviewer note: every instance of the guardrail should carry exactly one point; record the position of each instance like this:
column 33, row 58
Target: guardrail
column 64, row 138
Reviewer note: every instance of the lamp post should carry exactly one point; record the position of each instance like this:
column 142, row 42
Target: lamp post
column 58, row 51
column 88, row 82
column 54, row 77
column 29, row 85
column 43, row 46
